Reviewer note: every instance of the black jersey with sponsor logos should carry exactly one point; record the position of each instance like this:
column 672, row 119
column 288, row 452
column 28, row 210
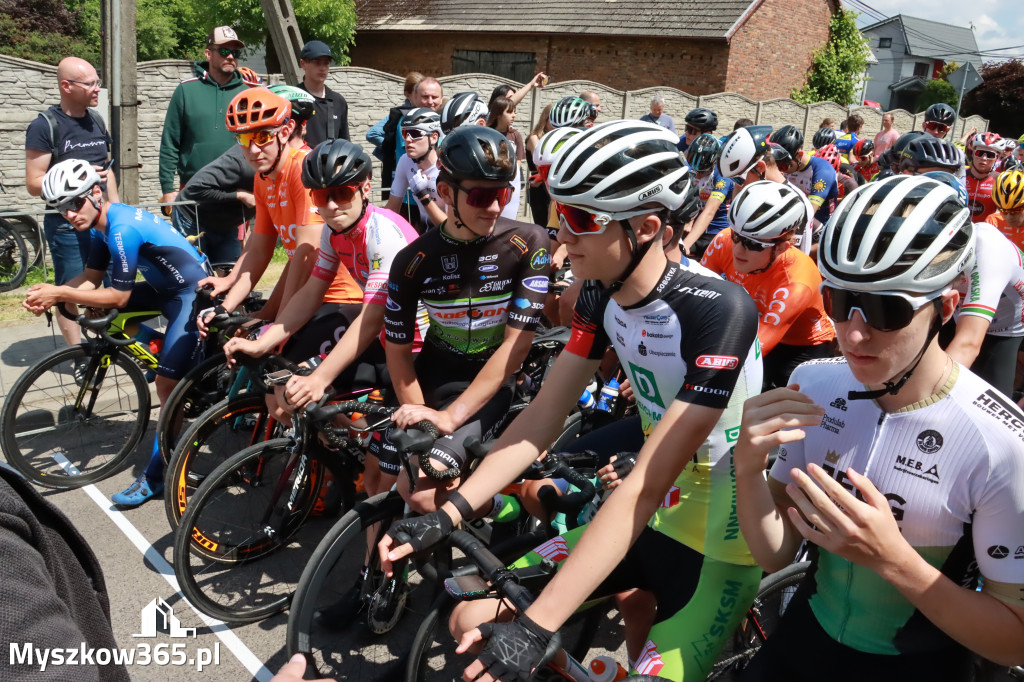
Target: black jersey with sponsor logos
column 471, row 290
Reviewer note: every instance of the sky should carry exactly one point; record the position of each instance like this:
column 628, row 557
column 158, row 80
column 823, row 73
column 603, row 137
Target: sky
column 997, row 23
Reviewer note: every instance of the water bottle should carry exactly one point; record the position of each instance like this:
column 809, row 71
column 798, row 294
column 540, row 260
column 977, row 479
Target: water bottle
column 606, row 669
column 586, row 400
column 609, row 395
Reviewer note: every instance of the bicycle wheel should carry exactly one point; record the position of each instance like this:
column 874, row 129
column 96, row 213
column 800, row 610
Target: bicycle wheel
column 202, row 387
column 244, row 538
column 224, row 429
column 773, row 597
column 28, row 228
column 13, row 257
column 96, row 427
column 349, row 650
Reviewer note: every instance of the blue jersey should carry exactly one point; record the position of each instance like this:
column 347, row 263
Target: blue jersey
column 714, row 185
column 138, row 240
column 818, row 181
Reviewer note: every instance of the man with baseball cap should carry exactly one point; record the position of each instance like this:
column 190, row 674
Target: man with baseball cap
column 194, row 132
column 330, row 119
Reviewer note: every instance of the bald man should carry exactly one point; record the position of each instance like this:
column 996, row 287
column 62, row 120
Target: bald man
column 69, row 130
column 595, row 99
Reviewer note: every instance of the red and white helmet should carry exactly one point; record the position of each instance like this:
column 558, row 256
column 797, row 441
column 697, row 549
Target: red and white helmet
column 831, row 154
column 988, row 141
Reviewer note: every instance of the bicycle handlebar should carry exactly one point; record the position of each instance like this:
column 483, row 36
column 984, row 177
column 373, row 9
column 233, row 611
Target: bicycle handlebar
column 100, row 325
column 492, row 570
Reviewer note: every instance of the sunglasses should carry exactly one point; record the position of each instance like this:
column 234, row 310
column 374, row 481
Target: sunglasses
column 229, row 52
column 690, row 130
column 484, row 197
column 938, row 127
column 750, row 244
column 886, row 311
column 413, row 134
column 88, row 85
column 985, row 154
column 261, row 138
column 342, row 195
column 74, row 204
column 582, row 222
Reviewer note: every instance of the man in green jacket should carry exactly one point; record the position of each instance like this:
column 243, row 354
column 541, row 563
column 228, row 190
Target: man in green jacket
column 194, row 132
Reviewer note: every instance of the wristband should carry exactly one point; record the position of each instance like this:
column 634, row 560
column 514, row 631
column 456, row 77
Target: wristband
column 425, row 199
column 461, row 504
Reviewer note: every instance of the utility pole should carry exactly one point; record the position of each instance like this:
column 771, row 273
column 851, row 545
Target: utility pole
column 284, row 31
column 120, row 75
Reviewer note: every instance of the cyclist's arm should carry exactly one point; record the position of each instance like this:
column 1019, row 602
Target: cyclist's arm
column 297, row 313
column 970, row 333
column 700, row 225
column 36, row 164
column 435, row 213
column 781, row 314
column 618, row 523
column 400, row 361
column 307, row 237
column 394, row 202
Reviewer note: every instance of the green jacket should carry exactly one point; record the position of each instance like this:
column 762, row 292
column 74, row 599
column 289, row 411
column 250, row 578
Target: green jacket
column 194, row 130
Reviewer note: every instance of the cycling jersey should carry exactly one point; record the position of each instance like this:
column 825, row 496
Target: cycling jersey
column 403, row 172
column 979, row 196
column 714, row 186
column 866, row 172
column 135, row 240
column 846, row 142
column 283, row 205
column 1014, row 234
column 993, row 287
column 952, row 468
column 818, row 181
column 471, row 290
column 787, row 295
column 694, row 339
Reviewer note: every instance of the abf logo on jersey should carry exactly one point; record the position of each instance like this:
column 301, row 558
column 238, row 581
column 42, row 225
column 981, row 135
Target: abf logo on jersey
column 158, row 616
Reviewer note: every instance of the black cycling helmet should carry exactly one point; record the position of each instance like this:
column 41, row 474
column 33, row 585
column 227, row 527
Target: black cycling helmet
column 927, row 151
column 940, row 112
column 477, row 153
column 690, row 208
column 824, row 137
column 779, row 154
column 702, row 154
column 702, row 118
column 334, row 163
column 789, row 138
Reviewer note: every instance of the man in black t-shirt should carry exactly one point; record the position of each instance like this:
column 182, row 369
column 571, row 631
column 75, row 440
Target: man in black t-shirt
column 69, row 130
column 330, row 120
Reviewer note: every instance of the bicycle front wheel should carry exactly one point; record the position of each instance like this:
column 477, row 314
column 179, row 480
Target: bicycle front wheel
column 13, row 257
column 242, row 542
column 48, row 418
column 202, row 387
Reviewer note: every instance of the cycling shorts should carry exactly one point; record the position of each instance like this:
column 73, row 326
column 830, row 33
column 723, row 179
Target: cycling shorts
column 318, row 338
column 182, row 349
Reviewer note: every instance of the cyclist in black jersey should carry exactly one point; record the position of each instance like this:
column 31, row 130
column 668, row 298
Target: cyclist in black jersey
column 688, row 342
column 482, row 280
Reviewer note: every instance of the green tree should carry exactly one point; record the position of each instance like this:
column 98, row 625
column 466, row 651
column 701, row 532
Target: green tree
column 935, row 91
column 838, row 65
column 43, row 31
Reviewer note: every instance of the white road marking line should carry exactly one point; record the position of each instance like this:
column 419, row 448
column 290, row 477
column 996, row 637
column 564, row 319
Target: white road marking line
column 237, row 647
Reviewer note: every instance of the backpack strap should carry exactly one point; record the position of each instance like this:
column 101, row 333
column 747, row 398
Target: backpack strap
column 51, row 120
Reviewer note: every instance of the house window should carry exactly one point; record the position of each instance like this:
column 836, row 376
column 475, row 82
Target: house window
column 516, row 66
column 922, row 70
column 884, row 42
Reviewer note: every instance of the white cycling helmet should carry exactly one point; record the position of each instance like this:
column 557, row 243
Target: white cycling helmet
column 464, row 108
column 68, row 179
column 546, row 151
column 903, row 233
column 422, row 119
column 766, row 210
column 742, row 149
column 620, row 168
column 571, row 112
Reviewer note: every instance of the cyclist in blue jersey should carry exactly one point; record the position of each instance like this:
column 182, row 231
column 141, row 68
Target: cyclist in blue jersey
column 813, row 175
column 128, row 240
column 715, row 195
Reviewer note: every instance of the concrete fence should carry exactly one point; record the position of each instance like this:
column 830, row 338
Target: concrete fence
column 26, row 88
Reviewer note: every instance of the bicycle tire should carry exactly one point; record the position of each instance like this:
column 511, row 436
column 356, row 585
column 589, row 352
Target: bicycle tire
column 352, row 652
column 28, row 228
column 40, row 418
column 14, row 257
column 227, row 427
column 773, row 596
column 243, row 541
column 203, row 386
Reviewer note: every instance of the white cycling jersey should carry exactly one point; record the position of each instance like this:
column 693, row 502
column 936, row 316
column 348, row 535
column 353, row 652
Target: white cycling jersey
column 993, row 288
column 404, row 171
column 952, row 468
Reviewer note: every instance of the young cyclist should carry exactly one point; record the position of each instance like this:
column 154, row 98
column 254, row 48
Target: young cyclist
column 813, row 175
column 903, row 468
column 981, row 175
column 129, row 240
column 687, row 339
column 938, row 120
column 697, row 122
column 417, row 168
column 864, row 162
column 1008, row 196
column 783, row 281
column 715, row 194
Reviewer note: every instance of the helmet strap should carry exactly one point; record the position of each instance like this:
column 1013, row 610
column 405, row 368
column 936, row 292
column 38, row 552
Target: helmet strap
column 637, row 254
column 277, row 160
column 891, row 387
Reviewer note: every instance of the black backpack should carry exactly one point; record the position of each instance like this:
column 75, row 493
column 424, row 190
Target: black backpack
column 51, row 120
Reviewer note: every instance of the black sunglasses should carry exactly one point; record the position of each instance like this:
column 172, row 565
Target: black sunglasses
column 885, row 311
column 74, row 204
column 749, row 244
column 232, row 51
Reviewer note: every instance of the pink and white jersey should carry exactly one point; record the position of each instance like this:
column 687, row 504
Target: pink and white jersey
column 366, row 251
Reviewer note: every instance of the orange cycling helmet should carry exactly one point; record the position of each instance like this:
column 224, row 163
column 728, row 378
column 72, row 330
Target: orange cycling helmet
column 250, row 77
column 257, row 108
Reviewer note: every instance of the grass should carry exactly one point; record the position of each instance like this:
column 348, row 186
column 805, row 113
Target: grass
column 13, row 314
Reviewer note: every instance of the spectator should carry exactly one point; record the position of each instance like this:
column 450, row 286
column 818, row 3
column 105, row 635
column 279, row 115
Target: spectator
column 846, row 142
column 742, row 123
column 537, row 194
column 887, row 137
column 194, row 131
column 69, row 130
column 827, row 123
column 330, row 118
column 501, row 115
column 658, row 115
column 375, row 135
column 595, row 99
column 519, row 95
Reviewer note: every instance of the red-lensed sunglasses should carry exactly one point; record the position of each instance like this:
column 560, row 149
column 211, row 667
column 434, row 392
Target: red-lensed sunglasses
column 342, row 195
column 581, row 222
column 484, row 197
column 938, row 127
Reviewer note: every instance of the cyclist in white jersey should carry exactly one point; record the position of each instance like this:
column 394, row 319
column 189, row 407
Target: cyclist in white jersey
column 903, row 468
column 417, row 169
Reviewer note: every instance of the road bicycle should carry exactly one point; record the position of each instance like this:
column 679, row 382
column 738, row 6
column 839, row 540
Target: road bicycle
column 14, row 257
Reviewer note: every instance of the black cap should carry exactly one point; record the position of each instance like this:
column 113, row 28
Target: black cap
column 315, row 49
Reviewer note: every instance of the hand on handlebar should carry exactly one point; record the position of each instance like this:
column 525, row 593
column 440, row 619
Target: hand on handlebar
column 218, row 285
column 612, row 474
column 410, row 415
column 422, row 532
column 304, row 389
column 240, row 344
column 513, row 650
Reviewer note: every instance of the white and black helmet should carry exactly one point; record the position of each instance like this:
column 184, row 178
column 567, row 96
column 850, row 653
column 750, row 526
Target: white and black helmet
column 464, row 108
column 423, row 119
column 903, row 233
column 742, row 149
column 68, row 179
column 571, row 112
column 546, row 151
column 766, row 210
column 620, row 168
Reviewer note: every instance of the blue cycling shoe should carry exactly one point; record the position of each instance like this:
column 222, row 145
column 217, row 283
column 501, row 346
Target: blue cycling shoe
column 138, row 492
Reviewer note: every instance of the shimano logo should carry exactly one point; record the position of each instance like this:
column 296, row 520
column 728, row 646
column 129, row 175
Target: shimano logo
column 650, row 193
